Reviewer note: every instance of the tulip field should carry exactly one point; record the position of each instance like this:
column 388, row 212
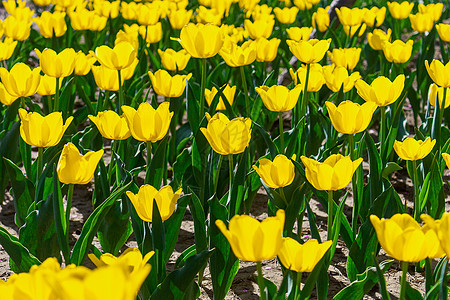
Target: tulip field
column 162, row 149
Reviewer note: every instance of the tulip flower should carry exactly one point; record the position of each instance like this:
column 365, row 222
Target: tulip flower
column 259, row 28
column 440, row 227
column 165, row 200
column 129, row 10
column 51, row 24
column 315, row 77
column 208, row 16
column 286, row 15
column 377, row 38
column 228, row 92
column 111, row 125
column 117, row 58
column 266, row 50
column 168, row 86
column 443, row 31
column 238, row 56
column 5, row 97
column 321, row 19
column 434, row 9
column 302, row 257
column 311, row 51
column 17, row 29
column 179, row 18
column 252, row 240
column 279, row 98
column 152, row 33
column 107, row 9
column 400, row 10
column 436, row 250
column 381, row 91
column 146, row 123
column 439, row 72
column 435, row 92
column 173, row 60
column 131, row 257
column 75, row 168
column 411, row 149
column 350, row 117
column 276, row 174
column 83, row 19
column 297, row 33
column 131, row 36
column 83, row 63
column 57, row 65
column 227, row 137
column 7, row 48
column 398, row 51
column 21, row 81
column 345, row 57
column 421, row 22
column 338, row 77
column 201, row 41
column 374, row 16
column 106, row 78
column 148, row 14
column 350, row 16
column 40, row 131
column 47, row 85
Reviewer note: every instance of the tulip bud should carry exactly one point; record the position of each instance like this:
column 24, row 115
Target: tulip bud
column 168, row 86
column 311, row 51
column 400, row 10
column 209, row 35
column 276, row 174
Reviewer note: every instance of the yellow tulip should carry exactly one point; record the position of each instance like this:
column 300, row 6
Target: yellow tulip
column 434, row 9
column 83, row 19
column 131, row 257
column 208, row 16
column 47, row 85
column 252, row 240
column 57, row 65
column 179, row 18
column 225, row 136
column 266, row 50
column 21, row 81
column 444, row 31
column 228, row 92
column 297, row 33
column 107, row 9
column 201, row 41
column 129, row 10
column 311, row 51
column 276, row 174
column 238, row 56
column 304, row 4
column 83, row 63
column 345, row 57
column 439, row 72
column 146, row 123
column 398, row 51
column 278, row 97
column 234, row 34
column 400, row 10
column 12, row 5
column 7, row 48
column 352, row 30
column 75, row 168
column 259, row 28
column 315, row 79
column 440, row 227
column 40, row 131
column 148, row 14
column 17, row 29
column 335, row 173
column 350, row 16
column 166, row 85
column 5, row 97
column 286, row 15
column 108, row 79
column 436, row 91
column 111, row 125
column 130, row 37
column 411, row 149
column 374, row 16
column 338, row 77
column 42, row 2
column 117, row 58
column 381, row 91
column 378, row 37
column 51, row 24
column 421, row 22
column 402, row 237
column 152, row 33
column 165, row 200
column 173, row 60
column 350, row 117
column 435, row 250
column 302, row 257
column 321, row 19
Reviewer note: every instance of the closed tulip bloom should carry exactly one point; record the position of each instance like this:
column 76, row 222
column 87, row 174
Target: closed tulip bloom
column 440, row 227
column 40, row 131
column 107, row 9
column 83, row 63
column 259, row 28
column 252, row 240
column 411, row 149
column 7, row 48
column 335, row 173
column 152, row 33
column 228, row 137
column 444, row 31
column 105, row 78
column 5, row 97
column 400, row 10
column 117, row 58
column 17, row 29
column 75, row 168
column 381, row 91
column 266, row 50
column 345, row 57
column 350, row 16
column 47, row 85
column 276, row 174
column 439, row 72
column 402, row 237
column 278, row 97
column 436, row 91
column 321, row 19
column 146, row 123
column 374, row 16
column 238, row 56
column 57, row 65
column 165, row 199
column 51, row 23
column 173, row 60
column 111, row 125
column 398, row 51
column 350, row 117
column 83, row 19
column 315, row 80
column 304, row 4
column 434, row 9
column 228, row 92
column 129, row 10
column 302, row 257
column 130, row 37
column 378, row 37
column 421, row 22
column 148, row 14
column 179, row 18
column 311, row 51
column 435, row 250
column 166, row 85
column 286, row 15
column 21, row 81
column 299, row 33
column 201, row 41
column 338, row 77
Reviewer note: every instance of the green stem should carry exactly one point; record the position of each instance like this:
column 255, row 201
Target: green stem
column 56, row 103
column 202, row 89
column 244, row 85
column 283, row 196
column 305, row 93
column 260, row 281
column 441, row 117
column 40, row 160
column 298, row 284
column 428, row 275
column 111, row 163
column 351, row 150
column 416, row 191
column 149, row 159
column 219, row 166
column 403, row 280
column 381, row 135
column 231, row 169
column 280, row 124
column 119, row 105
column 69, row 206
column 330, row 215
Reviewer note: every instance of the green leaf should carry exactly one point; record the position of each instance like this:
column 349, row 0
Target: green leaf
column 270, row 144
column 236, row 194
column 61, row 227
column 155, row 173
column 188, row 252
column 390, row 168
column 312, row 278
column 9, row 139
column 198, row 214
column 173, row 226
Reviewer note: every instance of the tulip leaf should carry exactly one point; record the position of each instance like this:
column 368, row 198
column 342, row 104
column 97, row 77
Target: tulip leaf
column 390, row 168
column 313, row 277
column 173, row 226
column 336, row 228
column 25, row 153
column 90, row 227
column 8, row 141
column 20, row 257
column 61, row 227
column 270, row 144
column 188, row 252
column 198, row 214
column 431, row 189
column 155, row 173
column 192, row 109
column 375, row 170
column 236, row 194
column 180, row 166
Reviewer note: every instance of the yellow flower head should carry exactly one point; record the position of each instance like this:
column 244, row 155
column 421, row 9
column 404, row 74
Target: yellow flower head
column 400, row 10
column 377, row 38
column 179, row 18
column 338, row 77
column 278, row 97
column 350, row 16
column 237, row 56
column 83, row 63
column 434, row 9
column 57, row 65
column 321, row 19
column 411, row 149
column 228, row 92
column 166, row 85
column 350, row 117
column 442, row 229
column 201, row 41
column 286, row 15
column 111, row 125
column 173, row 60
column 374, row 16
column 259, row 28
column 311, row 51
column 266, row 50
column 131, row 257
column 7, row 47
column 381, row 91
column 276, row 174
column 315, row 80
column 435, row 92
column 439, row 72
column 16, row 28
column 117, row 58
column 5, row 97
column 398, row 51
column 47, row 85
column 444, row 31
column 302, row 257
column 51, row 23
column 299, row 33
column 21, row 81
column 421, row 22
